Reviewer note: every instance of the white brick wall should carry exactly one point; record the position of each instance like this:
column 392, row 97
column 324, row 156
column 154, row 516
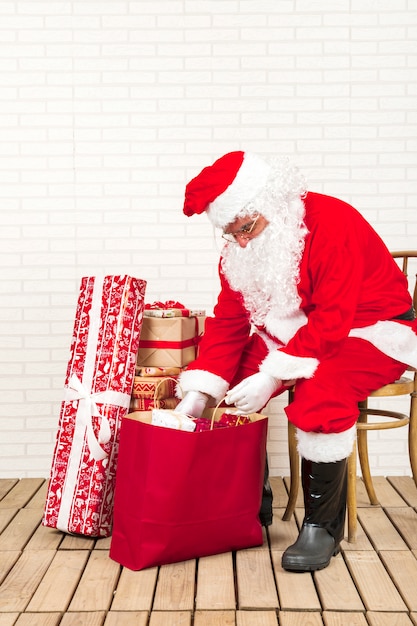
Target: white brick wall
column 109, row 107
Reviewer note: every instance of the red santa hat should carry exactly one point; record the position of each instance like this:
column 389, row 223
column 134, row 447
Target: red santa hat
column 226, row 187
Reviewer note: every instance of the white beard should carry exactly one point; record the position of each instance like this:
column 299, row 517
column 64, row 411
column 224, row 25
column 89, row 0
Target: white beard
column 266, row 272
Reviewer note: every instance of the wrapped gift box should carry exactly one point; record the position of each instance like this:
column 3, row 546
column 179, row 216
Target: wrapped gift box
column 169, row 341
column 158, row 371
column 172, row 419
column 147, row 404
column 98, row 388
column 153, row 387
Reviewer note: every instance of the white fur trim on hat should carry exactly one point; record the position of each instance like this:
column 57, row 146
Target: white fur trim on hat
column 249, row 181
column 201, row 380
column 325, row 448
column 287, row 366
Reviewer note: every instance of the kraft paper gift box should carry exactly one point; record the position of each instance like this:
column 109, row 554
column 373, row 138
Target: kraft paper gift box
column 158, row 371
column 98, row 388
column 151, row 392
column 169, row 341
column 153, row 387
column 173, row 312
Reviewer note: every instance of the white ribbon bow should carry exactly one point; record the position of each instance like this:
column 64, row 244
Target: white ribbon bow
column 87, row 408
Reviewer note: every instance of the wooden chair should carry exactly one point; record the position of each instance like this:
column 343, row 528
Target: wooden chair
column 405, row 386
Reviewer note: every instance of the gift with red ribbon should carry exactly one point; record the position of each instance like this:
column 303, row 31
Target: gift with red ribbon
column 158, row 371
column 170, row 308
column 169, row 341
column 98, row 390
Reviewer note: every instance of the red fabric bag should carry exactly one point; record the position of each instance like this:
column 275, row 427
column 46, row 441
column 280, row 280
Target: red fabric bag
column 181, row 495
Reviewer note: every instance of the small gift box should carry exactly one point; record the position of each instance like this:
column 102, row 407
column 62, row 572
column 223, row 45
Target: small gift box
column 147, row 404
column 158, row 371
column 232, row 419
column 172, row 419
column 169, row 342
column 205, row 423
column 153, row 387
column 225, row 420
column 98, row 389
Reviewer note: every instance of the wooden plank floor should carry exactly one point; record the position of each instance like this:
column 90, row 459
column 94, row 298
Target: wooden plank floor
column 48, row 578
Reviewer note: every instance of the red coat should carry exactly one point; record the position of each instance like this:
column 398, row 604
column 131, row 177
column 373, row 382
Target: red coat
column 348, row 280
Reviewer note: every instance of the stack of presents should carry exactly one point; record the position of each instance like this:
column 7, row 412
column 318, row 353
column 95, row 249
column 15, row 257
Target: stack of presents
column 168, row 342
column 125, row 357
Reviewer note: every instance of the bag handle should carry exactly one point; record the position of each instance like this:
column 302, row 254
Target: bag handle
column 159, row 383
column 214, row 414
column 156, row 400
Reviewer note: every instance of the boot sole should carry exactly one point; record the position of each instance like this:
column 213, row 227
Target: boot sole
column 309, row 567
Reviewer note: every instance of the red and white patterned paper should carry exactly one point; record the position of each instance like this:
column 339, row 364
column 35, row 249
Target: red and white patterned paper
column 98, row 388
column 154, row 387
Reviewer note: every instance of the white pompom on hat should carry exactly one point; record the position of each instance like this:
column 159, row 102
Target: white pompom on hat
column 226, row 187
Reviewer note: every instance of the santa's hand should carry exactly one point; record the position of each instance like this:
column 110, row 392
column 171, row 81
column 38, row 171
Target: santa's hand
column 252, row 393
column 193, row 403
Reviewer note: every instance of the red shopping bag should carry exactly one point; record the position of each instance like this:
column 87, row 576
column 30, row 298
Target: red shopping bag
column 181, row 495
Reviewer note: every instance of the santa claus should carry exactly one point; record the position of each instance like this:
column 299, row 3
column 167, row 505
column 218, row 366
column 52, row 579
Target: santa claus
column 310, row 296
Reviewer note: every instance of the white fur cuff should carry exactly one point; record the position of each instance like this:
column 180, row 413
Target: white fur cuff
column 325, row 448
column 201, row 380
column 286, row 366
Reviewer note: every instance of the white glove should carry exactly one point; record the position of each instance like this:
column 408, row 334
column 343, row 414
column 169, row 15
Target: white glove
column 252, row 393
column 193, row 403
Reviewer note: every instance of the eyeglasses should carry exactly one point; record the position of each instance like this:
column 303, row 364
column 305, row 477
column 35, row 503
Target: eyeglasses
column 241, row 233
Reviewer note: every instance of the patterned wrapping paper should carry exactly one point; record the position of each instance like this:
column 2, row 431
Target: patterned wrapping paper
column 98, row 389
column 154, row 387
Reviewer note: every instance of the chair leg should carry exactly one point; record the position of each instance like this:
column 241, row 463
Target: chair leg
column 412, row 432
column 362, row 439
column 294, row 473
column 351, row 503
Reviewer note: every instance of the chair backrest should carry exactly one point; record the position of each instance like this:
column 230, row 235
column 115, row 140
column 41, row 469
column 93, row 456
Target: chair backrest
column 406, row 258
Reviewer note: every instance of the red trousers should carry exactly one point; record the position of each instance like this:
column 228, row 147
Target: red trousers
column 328, row 402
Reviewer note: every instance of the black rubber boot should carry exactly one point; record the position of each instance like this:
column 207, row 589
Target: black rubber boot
column 324, row 487
column 265, row 514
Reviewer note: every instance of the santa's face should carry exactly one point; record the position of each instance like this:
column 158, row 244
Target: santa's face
column 263, row 264
column 244, row 229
